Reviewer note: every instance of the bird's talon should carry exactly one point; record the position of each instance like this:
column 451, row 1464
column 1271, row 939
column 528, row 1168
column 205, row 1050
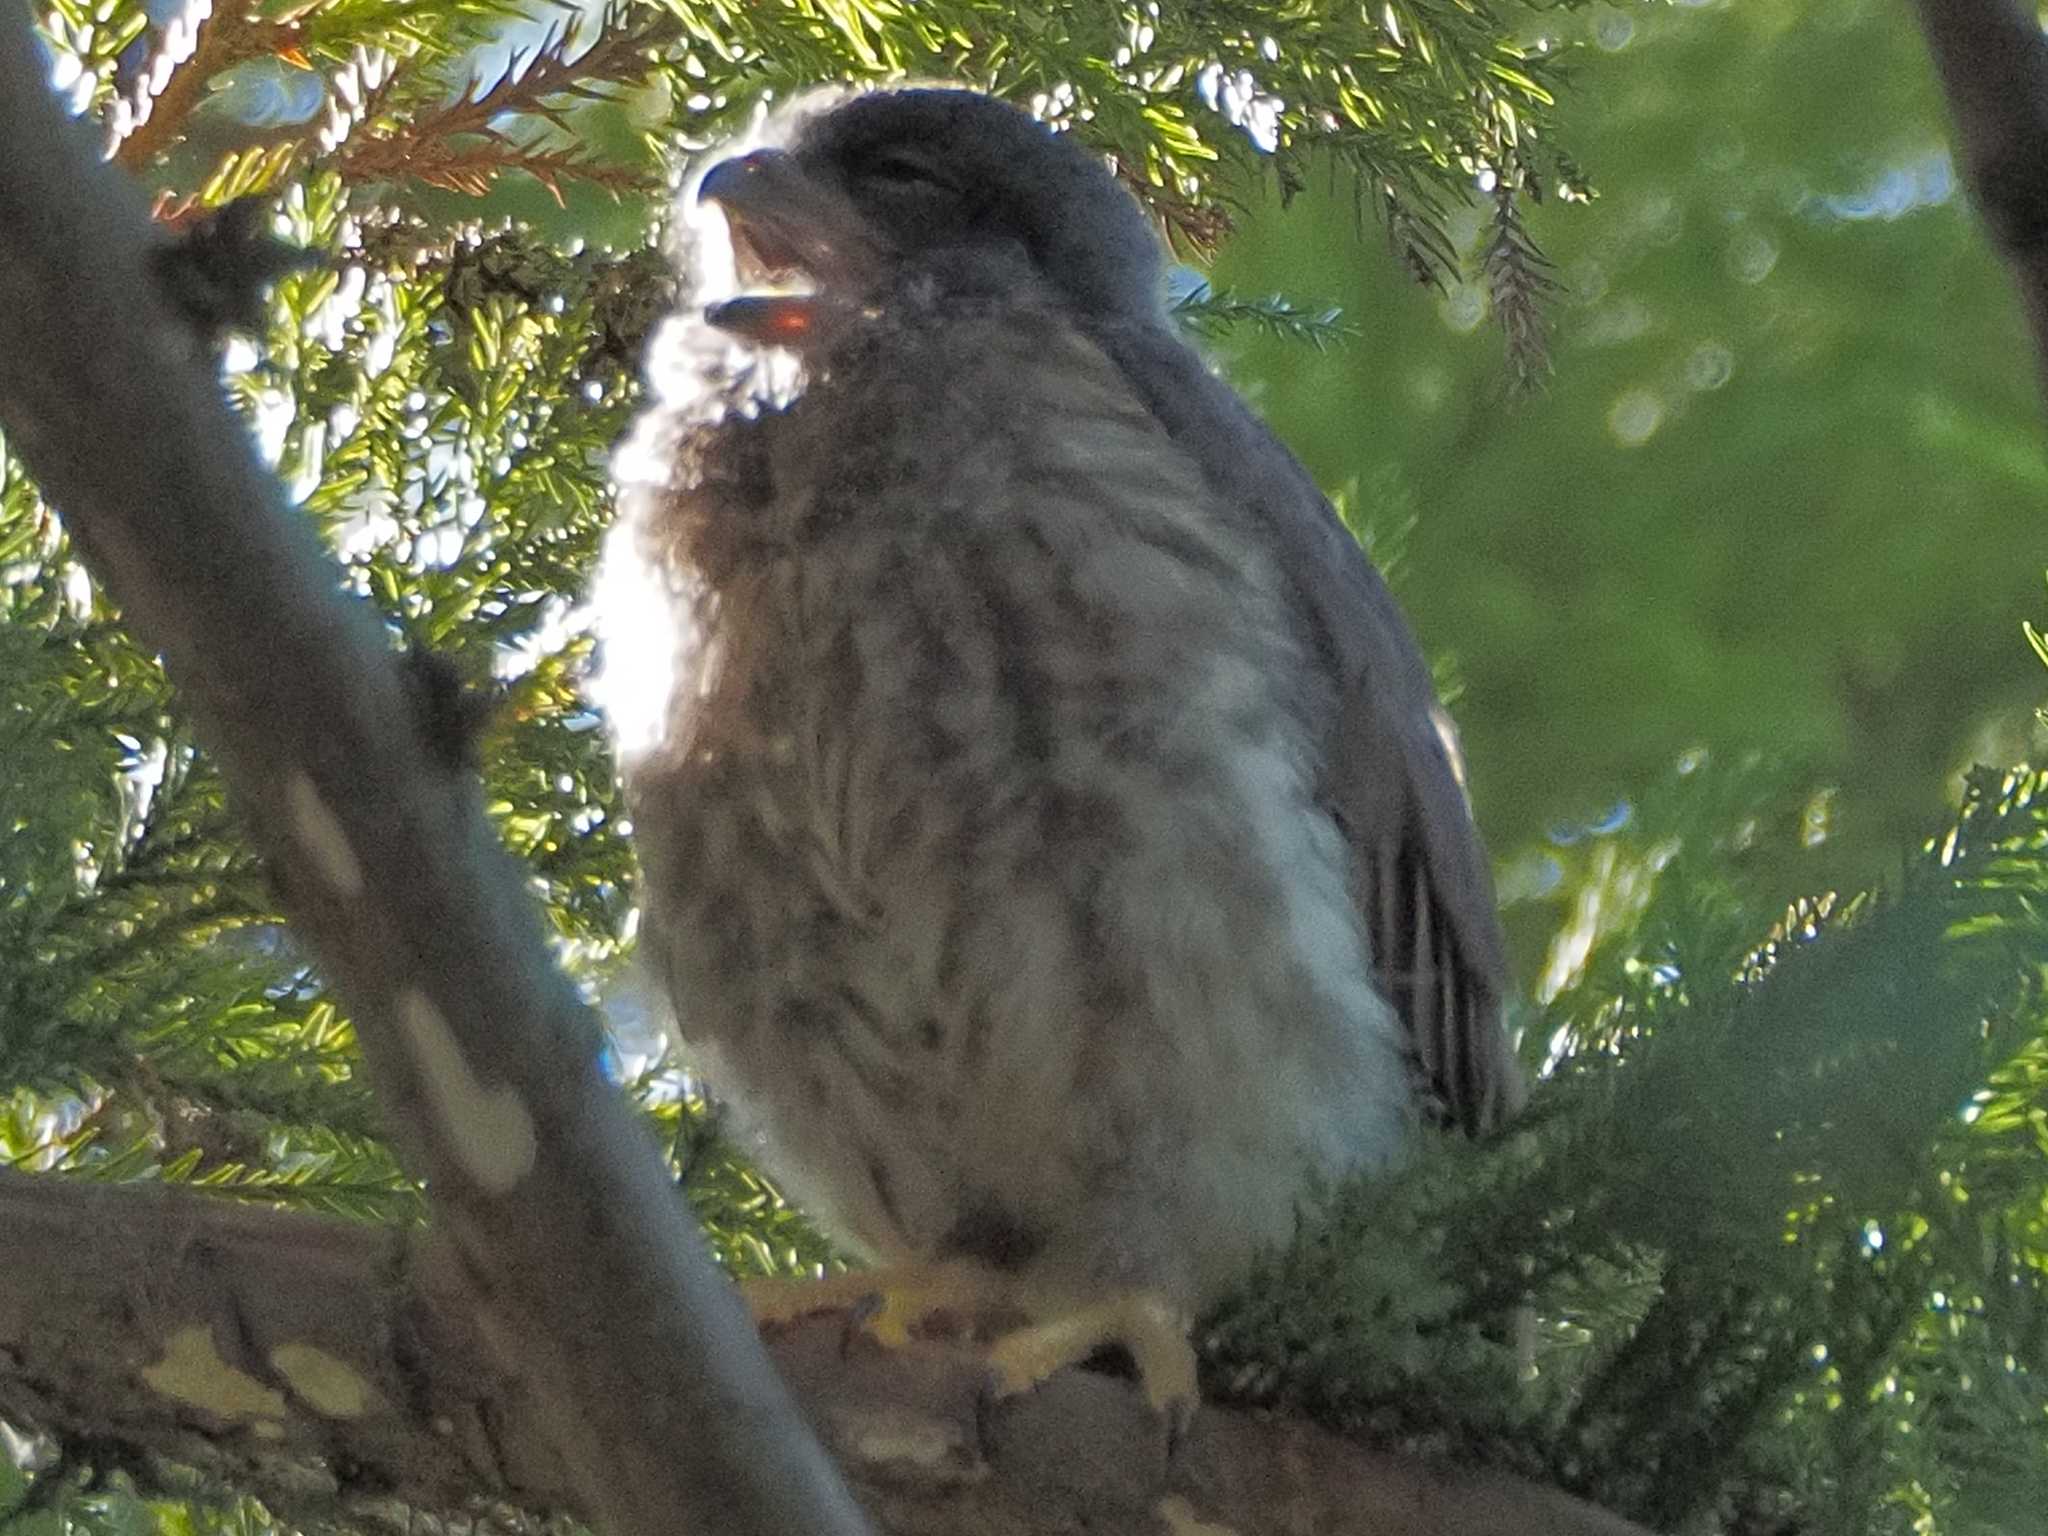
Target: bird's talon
column 1023, row 1358
column 1154, row 1333
column 886, row 1318
column 859, row 1319
column 1166, row 1364
column 1179, row 1415
column 1011, row 1376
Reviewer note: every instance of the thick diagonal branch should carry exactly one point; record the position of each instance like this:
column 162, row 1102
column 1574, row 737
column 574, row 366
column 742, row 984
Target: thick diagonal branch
column 334, row 1370
column 551, row 1199
column 1993, row 62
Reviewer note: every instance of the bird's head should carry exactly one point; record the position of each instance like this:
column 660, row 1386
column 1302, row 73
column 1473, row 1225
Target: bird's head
column 945, row 188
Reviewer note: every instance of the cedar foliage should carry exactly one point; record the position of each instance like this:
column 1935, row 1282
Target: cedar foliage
column 1767, row 1254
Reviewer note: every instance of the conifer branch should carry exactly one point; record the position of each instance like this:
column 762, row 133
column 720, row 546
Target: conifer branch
column 150, row 123
column 530, row 83
column 471, row 169
column 1518, row 282
column 426, row 148
column 1215, row 311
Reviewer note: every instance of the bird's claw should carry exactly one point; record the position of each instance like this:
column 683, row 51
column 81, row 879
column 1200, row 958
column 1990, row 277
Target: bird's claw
column 1153, row 1332
column 890, row 1305
column 894, row 1306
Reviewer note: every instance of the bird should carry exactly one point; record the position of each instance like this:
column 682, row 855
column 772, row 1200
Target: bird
column 1052, row 845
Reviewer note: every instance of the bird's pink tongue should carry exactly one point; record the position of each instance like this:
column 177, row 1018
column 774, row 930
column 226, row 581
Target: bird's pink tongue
column 775, row 320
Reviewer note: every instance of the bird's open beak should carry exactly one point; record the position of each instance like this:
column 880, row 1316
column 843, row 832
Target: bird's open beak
column 791, row 241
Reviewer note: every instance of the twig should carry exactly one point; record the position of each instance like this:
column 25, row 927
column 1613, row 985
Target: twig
column 225, row 39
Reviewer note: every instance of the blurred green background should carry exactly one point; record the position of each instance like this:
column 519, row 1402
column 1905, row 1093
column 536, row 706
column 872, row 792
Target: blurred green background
column 1784, row 491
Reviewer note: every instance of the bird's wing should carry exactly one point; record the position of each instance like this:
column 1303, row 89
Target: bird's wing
column 1394, row 779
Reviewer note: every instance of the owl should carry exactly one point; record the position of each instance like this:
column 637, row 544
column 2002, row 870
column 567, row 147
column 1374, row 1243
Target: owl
column 1052, row 844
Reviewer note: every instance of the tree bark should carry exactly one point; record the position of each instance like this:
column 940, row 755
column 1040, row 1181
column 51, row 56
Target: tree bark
column 338, row 1370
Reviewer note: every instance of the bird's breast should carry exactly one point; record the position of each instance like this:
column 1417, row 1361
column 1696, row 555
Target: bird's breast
column 981, row 841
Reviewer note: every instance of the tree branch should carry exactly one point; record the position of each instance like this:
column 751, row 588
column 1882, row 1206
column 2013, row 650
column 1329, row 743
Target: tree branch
column 334, row 1370
column 547, row 1197
column 154, row 119
column 1993, row 62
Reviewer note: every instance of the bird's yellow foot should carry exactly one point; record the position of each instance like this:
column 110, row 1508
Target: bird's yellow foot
column 893, row 1303
column 1153, row 1330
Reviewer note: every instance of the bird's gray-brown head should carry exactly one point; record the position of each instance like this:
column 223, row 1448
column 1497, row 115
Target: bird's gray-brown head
column 947, row 190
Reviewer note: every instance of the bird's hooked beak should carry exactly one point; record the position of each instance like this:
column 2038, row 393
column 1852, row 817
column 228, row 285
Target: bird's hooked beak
column 794, row 243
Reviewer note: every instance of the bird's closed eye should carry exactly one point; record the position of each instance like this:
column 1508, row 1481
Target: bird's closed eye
column 901, row 168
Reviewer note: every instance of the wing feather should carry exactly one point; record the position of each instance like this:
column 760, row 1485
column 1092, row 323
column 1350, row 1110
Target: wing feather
column 1394, row 781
